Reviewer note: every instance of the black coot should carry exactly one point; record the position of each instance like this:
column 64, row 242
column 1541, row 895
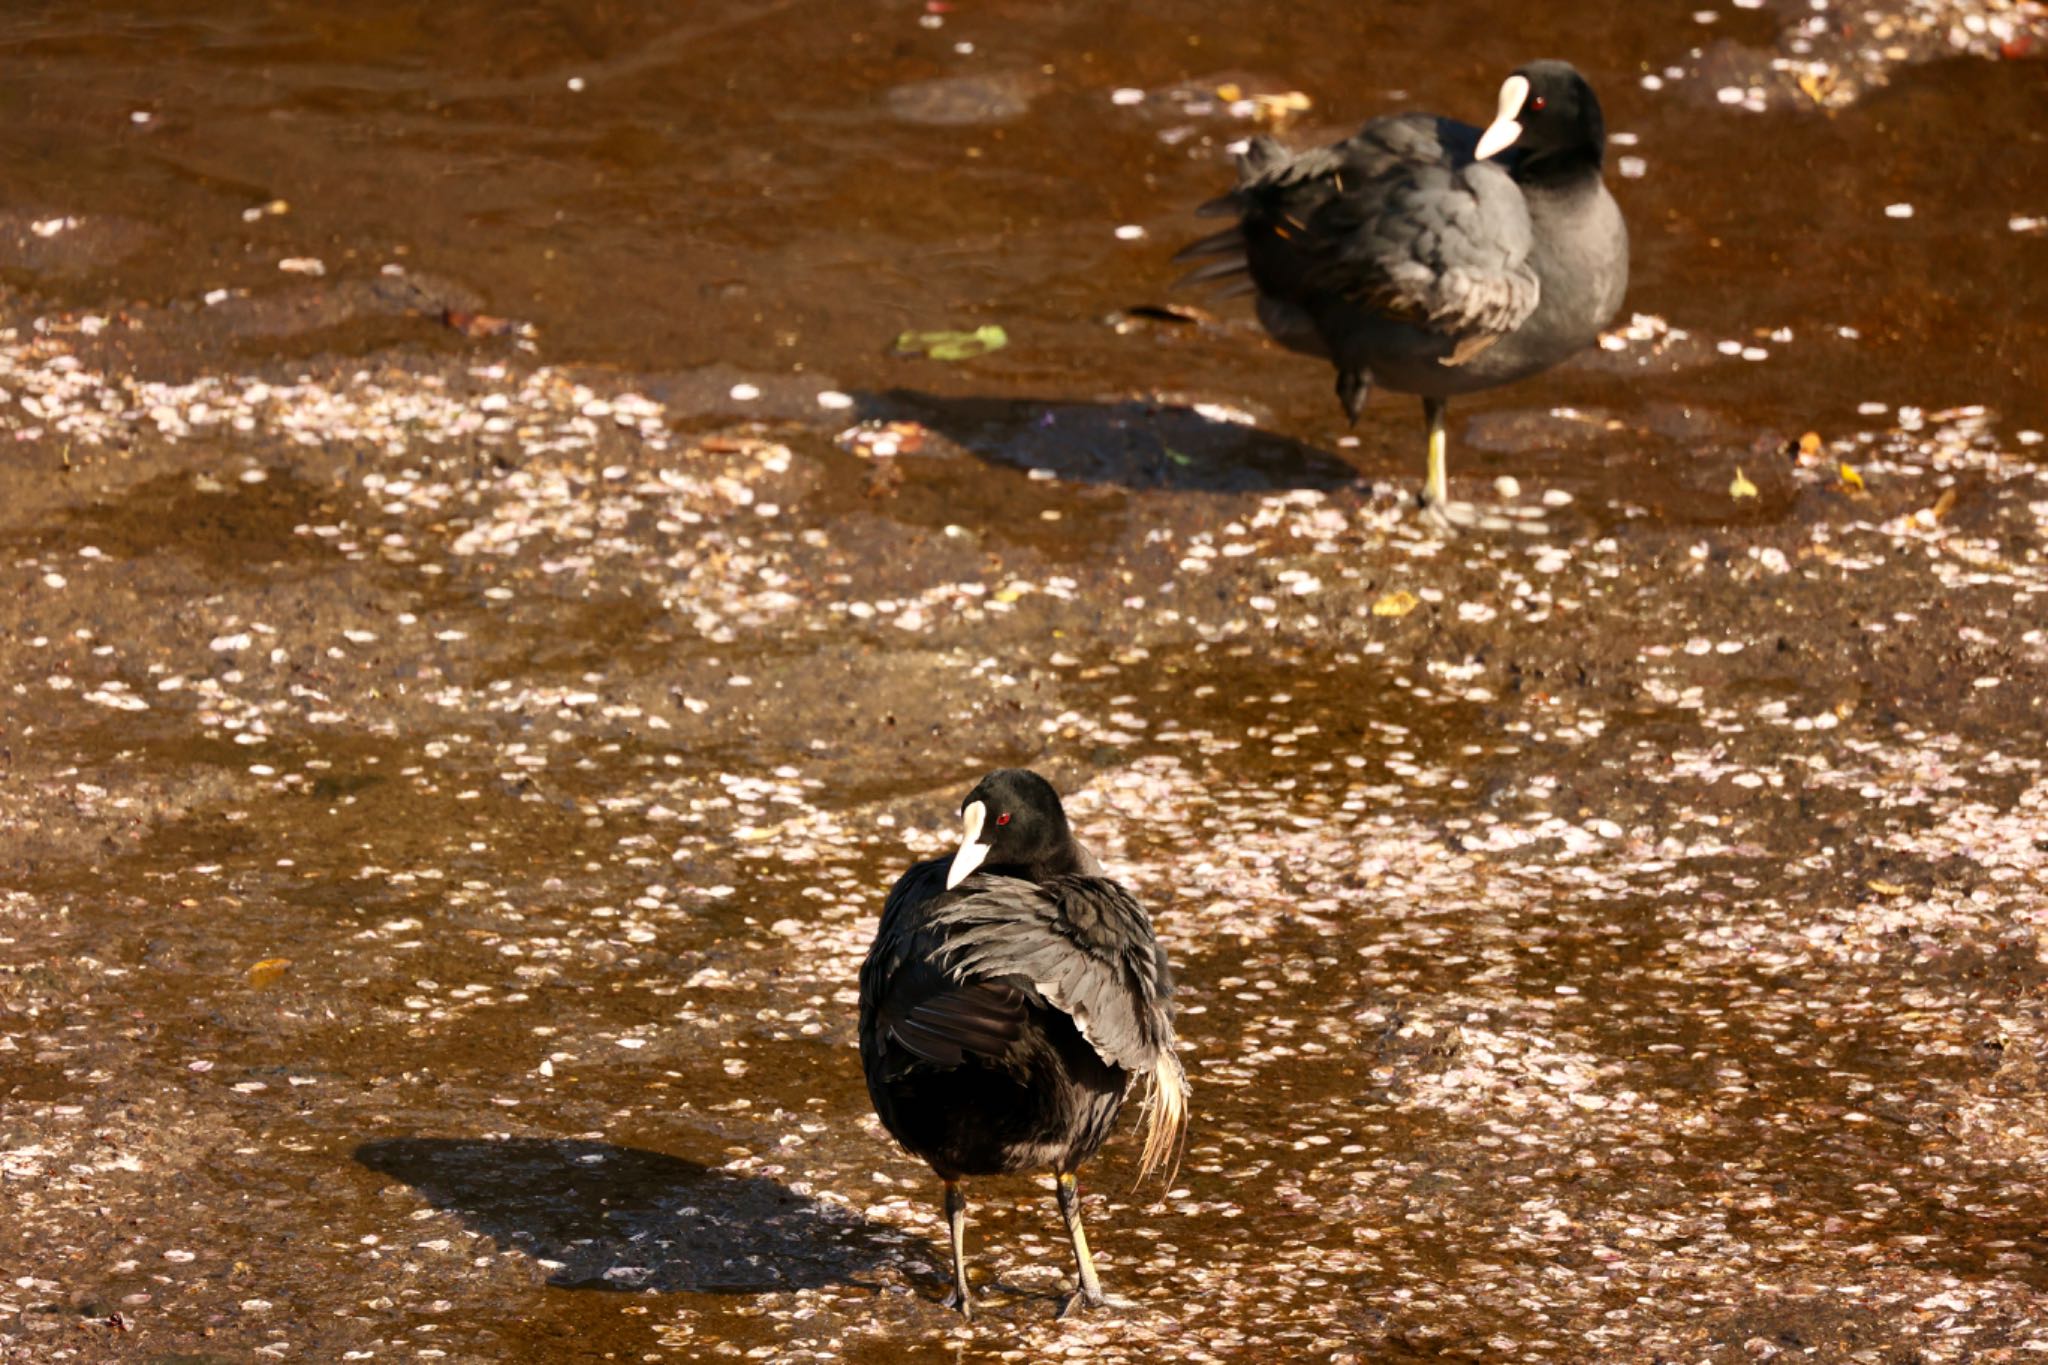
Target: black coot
column 1429, row 257
column 1013, row 997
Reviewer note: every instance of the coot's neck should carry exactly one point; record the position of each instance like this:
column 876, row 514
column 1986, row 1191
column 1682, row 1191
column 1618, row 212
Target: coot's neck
column 1065, row 859
column 1565, row 171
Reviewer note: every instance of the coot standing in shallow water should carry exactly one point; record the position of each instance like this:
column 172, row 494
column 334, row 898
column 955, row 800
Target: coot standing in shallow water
column 1429, row 257
column 1013, row 997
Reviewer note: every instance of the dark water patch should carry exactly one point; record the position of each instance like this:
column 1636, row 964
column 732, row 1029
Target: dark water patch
column 225, row 523
column 966, row 101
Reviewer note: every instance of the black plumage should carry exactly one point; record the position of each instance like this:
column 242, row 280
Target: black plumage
column 1431, row 257
column 1013, row 998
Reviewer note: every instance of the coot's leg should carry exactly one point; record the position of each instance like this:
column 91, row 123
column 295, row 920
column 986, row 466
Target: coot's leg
column 956, row 1223
column 1070, row 1210
column 1436, row 491
column 1352, row 388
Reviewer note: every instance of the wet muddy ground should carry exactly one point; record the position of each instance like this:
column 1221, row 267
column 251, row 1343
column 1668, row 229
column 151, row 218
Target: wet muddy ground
column 470, row 675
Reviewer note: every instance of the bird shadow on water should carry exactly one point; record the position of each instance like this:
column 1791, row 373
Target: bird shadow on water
column 1129, row 443
column 625, row 1219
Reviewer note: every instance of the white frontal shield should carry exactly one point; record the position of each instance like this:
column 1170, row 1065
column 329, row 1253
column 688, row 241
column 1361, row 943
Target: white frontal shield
column 1502, row 132
column 971, row 852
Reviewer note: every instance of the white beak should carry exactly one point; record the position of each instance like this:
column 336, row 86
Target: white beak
column 971, row 853
column 1502, row 132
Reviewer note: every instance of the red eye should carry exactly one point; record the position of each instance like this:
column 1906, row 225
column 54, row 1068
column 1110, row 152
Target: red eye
column 1003, row 819
column 1536, row 104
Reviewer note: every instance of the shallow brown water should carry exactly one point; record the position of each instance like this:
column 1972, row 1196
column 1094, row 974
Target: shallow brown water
column 447, row 781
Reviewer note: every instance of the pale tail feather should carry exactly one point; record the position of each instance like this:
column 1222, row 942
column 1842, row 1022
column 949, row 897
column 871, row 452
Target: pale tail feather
column 1164, row 1117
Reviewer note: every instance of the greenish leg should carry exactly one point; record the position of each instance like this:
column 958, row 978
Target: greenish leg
column 1436, row 489
column 956, row 1223
column 1070, row 1210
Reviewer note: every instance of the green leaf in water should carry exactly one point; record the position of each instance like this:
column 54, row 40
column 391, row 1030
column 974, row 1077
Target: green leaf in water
column 1179, row 458
column 954, row 345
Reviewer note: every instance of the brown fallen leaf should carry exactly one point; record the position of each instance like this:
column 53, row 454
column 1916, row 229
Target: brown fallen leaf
column 1943, row 505
column 879, row 440
column 477, row 324
column 884, row 478
column 1809, row 445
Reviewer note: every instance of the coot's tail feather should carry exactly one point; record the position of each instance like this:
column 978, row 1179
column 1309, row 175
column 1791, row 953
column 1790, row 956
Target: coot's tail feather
column 1163, row 1116
column 1229, row 242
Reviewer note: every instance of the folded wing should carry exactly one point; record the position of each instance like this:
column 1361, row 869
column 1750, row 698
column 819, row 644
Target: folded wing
column 1398, row 220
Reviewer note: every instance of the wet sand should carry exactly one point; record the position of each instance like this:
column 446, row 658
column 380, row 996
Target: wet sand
column 466, row 702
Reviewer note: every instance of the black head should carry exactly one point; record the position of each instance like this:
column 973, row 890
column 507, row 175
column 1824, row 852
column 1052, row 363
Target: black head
column 1013, row 820
column 1550, row 117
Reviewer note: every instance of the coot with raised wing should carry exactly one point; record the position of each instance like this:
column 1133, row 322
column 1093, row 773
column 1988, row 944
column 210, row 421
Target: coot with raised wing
column 1431, row 257
column 1013, row 997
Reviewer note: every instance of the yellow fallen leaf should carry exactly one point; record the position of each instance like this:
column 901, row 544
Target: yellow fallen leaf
column 1275, row 108
column 1850, row 478
column 1742, row 487
column 1887, row 888
column 1809, row 445
column 1395, row 603
column 267, row 973
column 1009, row 595
column 1230, row 92
column 1944, row 504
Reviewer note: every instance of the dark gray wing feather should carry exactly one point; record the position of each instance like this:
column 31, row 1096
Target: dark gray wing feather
column 1398, row 219
column 980, row 1019
column 1083, row 944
